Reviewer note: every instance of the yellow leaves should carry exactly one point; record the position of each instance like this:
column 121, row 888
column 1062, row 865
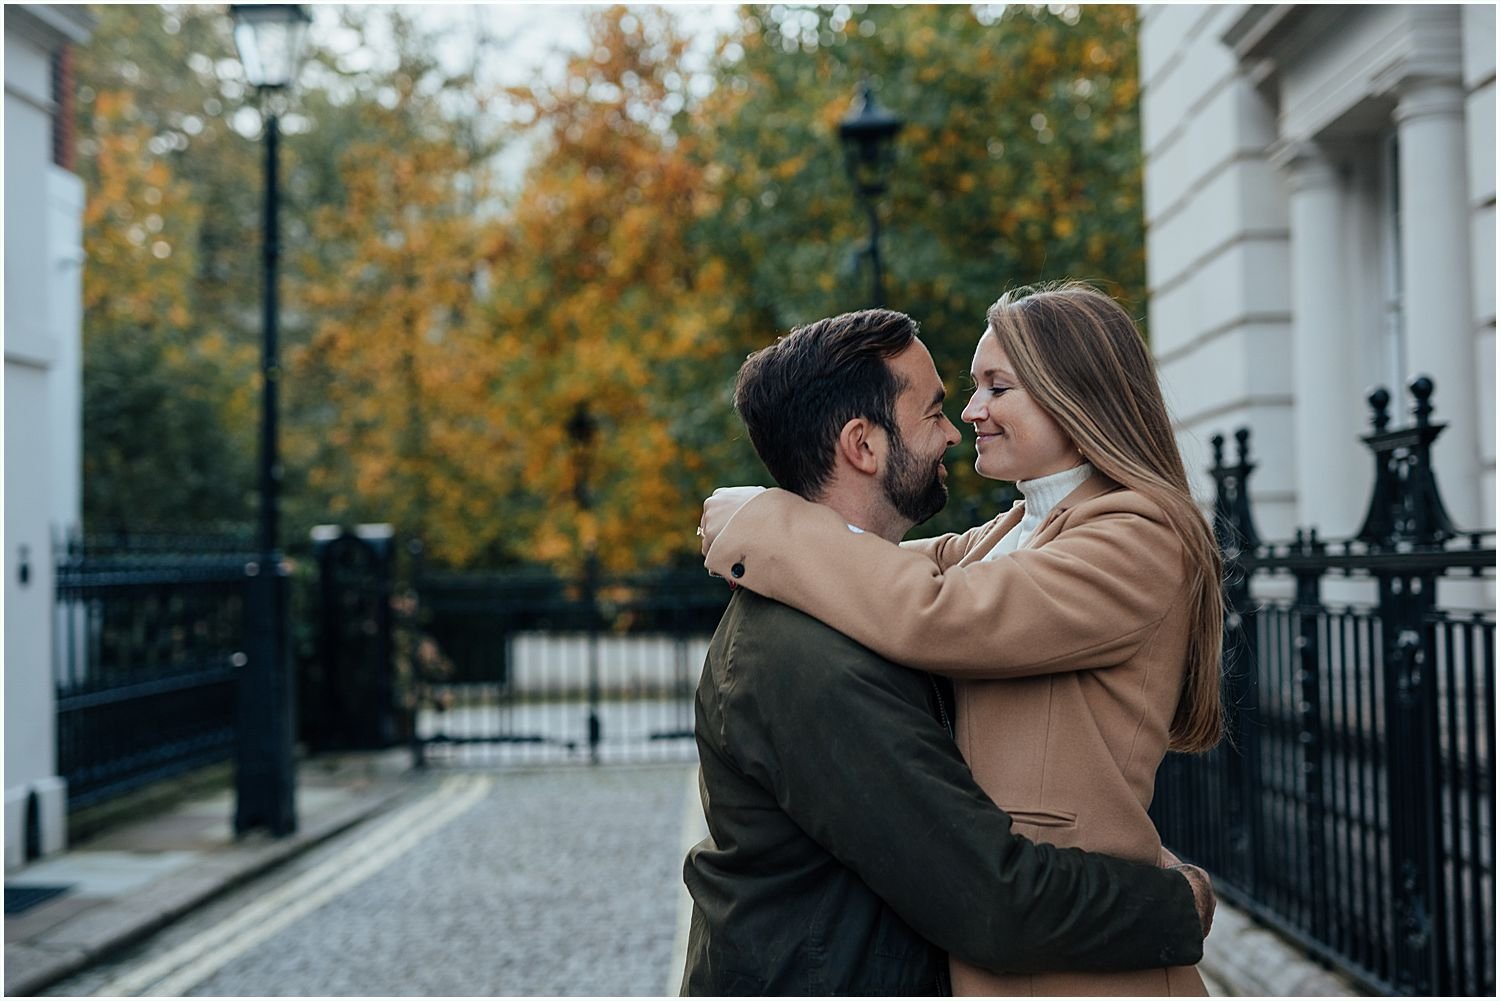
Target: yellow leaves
column 140, row 227
column 922, row 41
column 1063, row 227
column 710, row 277
column 790, row 167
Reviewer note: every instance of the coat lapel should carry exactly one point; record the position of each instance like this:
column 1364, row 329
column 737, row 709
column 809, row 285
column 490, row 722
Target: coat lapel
column 997, row 531
column 1095, row 486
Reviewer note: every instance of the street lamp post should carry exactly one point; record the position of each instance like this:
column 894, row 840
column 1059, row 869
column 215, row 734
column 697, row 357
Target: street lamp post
column 269, row 40
column 868, row 133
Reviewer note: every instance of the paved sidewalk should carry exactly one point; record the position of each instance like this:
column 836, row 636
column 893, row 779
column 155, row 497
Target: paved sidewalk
column 134, row 879
column 1244, row 959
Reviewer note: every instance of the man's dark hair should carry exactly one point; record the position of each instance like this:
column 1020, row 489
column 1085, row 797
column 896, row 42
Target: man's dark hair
column 796, row 395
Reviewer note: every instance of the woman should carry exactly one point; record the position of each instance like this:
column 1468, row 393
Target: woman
column 1082, row 627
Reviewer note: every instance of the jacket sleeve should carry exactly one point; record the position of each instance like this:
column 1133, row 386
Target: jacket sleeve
column 910, row 820
column 1087, row 599
column 946, row 550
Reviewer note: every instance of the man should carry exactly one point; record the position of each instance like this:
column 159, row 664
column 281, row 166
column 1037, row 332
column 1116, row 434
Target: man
column 849, row 847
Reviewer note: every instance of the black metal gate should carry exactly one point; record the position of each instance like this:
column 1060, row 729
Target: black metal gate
column 528, row 668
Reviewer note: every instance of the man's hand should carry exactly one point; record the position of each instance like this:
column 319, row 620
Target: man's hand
column 1203, row 888
column 719, row 508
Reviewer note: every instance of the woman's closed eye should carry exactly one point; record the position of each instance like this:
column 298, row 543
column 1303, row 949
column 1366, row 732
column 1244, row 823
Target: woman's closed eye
column 972, row 385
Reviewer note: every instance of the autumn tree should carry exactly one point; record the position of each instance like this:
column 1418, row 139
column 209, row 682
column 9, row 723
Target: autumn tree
column 157, row 450
column 161, row 95
column 166, row 394
column 604, row 307
column 388, row 421
column 456, row 332
column 1019, row 163
column 444, row 325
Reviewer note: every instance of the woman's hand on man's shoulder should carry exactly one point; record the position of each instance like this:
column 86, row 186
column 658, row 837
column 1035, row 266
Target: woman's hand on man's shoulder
column 720, row 506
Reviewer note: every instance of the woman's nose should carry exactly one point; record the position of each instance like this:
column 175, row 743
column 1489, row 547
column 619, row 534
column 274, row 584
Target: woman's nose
column 974, row 412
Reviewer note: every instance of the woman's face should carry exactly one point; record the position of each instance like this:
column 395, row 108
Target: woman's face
column 1015, row 438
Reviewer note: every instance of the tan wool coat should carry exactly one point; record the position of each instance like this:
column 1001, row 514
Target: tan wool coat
column 1069, row 656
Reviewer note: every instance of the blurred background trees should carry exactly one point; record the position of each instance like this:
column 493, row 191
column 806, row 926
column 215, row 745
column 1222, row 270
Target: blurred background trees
column 447, row 314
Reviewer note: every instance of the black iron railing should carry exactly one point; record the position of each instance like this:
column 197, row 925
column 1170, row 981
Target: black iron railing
column 1353, row 806
column 148, row 640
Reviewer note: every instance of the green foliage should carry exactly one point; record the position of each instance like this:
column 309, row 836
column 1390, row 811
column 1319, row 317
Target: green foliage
column 441, row 326
column 156, row 450
column 1019, row 163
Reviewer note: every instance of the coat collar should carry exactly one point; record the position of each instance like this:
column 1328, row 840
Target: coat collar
column 1095, row 486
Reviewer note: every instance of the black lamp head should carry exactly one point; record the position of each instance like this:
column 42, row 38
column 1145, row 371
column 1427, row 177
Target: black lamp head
column 868, row 133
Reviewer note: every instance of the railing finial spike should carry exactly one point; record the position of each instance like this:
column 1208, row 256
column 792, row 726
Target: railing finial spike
column 1421, row 388
column 1379, row 401
column 1242, row 444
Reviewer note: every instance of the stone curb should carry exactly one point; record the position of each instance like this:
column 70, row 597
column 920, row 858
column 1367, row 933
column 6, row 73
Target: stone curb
column 31, row 967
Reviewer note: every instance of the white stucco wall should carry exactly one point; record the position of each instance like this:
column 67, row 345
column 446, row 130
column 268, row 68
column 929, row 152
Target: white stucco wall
column 1269, row 137
column 65, row 205
column 1216, row 252
column 43, row 215
column 1479, row 85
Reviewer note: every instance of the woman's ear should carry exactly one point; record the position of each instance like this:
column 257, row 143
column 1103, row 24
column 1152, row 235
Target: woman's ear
column 862, row 445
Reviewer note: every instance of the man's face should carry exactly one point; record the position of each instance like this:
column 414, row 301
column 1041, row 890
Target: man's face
column 914, row 475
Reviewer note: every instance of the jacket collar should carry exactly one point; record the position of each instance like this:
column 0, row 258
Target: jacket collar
column 1095, row 486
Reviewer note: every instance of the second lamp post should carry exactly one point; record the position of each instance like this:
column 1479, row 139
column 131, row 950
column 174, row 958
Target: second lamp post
column 868, row 133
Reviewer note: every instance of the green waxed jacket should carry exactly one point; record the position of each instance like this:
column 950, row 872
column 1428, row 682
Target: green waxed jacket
column 850, row 850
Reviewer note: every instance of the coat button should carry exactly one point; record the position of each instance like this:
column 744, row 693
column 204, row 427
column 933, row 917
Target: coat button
column 738, row 570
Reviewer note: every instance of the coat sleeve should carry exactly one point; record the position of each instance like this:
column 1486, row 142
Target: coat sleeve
column 946, row 550
column 1088, row 599
column 910, row 820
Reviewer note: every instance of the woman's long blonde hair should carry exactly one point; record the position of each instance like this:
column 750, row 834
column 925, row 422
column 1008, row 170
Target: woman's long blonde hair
column 1079, row 355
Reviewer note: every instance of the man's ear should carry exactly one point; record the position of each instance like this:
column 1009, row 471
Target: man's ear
column 862, row 445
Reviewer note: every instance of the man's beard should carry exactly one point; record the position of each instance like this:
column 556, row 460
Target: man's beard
column 912, row 487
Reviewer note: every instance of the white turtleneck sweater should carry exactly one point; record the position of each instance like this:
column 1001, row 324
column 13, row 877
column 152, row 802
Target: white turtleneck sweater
column 1040, row 496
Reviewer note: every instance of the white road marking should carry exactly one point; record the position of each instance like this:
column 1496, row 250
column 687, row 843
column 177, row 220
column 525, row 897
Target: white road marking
column 694, row 830
column 194, row 961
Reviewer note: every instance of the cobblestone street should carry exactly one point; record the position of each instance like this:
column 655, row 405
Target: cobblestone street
column 565, row 881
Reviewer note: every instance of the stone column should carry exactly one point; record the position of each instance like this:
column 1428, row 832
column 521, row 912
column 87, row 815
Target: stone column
column 1438, row 310
column 1330, row 463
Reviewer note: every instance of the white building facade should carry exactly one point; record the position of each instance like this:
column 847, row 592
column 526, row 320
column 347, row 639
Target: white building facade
column 44, row 203
column 1320, row 209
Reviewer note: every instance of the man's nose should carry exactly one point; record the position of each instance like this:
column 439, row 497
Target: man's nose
column 951, row 435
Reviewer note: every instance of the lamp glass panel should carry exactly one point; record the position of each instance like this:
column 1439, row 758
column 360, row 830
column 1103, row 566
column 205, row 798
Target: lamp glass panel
column 868, row 160
column 270, row 50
